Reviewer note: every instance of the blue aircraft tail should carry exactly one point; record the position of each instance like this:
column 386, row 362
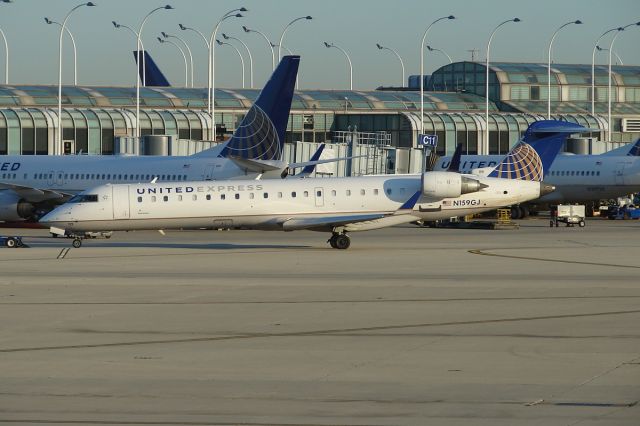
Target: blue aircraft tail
column 531, row 158
column 635, row 149
column 454, row 164
column 260, row 135
column 154, row 76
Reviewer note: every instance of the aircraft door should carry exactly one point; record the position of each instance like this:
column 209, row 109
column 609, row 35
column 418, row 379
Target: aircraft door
column 319, row 196
column 619, row 173
column 120, row 200
column 208, row 172
column 59, row 177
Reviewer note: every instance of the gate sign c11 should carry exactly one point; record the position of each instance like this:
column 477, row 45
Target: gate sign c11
column 428, row 141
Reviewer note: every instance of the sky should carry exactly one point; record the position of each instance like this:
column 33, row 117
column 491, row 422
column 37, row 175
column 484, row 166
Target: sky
column 105, row 58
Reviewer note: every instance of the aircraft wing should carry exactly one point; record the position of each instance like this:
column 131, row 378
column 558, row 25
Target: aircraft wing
column 328, row 221
column 34, row 194
column 257, row 166
column 324, row 161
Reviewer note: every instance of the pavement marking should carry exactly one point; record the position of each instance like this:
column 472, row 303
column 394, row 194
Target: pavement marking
column 543, row 259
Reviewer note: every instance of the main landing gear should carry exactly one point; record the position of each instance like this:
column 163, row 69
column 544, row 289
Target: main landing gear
column 339, row 241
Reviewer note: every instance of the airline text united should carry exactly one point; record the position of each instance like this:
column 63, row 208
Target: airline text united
column 189, row 189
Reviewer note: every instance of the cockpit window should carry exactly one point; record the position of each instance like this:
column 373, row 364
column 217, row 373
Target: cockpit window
column 84, row 198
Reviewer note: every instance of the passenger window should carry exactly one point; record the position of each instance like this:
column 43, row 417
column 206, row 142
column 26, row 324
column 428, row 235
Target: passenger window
column 208, row 197
column 375, row 191
column 195, row 197
column 237, row 196
column 251, row 195
column 265, row 195
column 348, row 192
column 165, row 198
column 333, row 193
column 318, row 193
column 279, row 194
column 222, row 196
column 179, row 197
column 153, row 198
column 362, row 192
column 306, row 193
column 293, row 195
column 139, row 199
column 103, row 177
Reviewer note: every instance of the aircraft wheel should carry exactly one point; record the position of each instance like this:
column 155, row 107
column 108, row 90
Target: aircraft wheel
column 516, row 212
column 342, row 242
column 332, row 241
column 77, row 243
column 524, row 212
column 11, row 243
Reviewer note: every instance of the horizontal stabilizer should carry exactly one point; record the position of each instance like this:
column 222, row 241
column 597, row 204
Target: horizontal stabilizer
column 258, row 166
column 327, row 221
column 34, row 194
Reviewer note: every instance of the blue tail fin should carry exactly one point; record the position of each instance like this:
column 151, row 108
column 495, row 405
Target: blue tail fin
column 454, row 165
column 260, row 135
column 154, row 76
column 635, row 149
column 309, row 168
column 531, row 158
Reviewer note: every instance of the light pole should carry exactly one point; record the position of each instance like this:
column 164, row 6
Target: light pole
column 239, row 55
column 593, row 69
column 273, row 53
column 486, row 92
column 138, row 45
column 75, row 51
column 613, row 40
column 6, row 51
column 578, row 22
column 144, row 61
column 212, row 62
column 226, row 37
column 424, row 36
column 433, row 49
column 618, row 58
column 206, row 42
column 167, row 36
column 58, row 149
column 330, row 45
column 285, row 30
column 186, row 67
column 379, row 46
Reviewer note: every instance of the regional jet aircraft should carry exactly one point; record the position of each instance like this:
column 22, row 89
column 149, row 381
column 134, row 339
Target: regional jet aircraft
column 32, row 185
column 577, row 178
column 335, row 205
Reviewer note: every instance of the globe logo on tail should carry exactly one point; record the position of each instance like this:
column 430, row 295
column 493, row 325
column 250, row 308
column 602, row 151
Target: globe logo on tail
column 523, row 162
column 255, row 138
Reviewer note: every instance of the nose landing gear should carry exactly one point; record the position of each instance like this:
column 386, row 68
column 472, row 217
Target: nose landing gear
column 339, row 241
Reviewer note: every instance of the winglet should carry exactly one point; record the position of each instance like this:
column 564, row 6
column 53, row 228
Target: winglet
column 454, row 165
column 532, row 157
column 411, row 202
column 308, row 169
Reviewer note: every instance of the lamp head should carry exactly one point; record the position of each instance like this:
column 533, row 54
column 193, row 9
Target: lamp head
column 326, row 44
column 160, row 40
column 308, row 17
column 47, row 20
column 224, row 36
column 451, row 17
column 219, row 42
column 90, row 4
column 239, row 15
column 246, row 30
column 7, row 1
column 115, row 24
column 600, row 49
column 378, row 46
column 165, row 35
column 169, row 7
column 578, row 22
column 182, row 27
column 517, row 20
column 243, row 9
column 429, row 48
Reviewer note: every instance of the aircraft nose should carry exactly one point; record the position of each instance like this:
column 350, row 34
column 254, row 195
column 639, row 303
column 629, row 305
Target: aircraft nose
column 545, row 188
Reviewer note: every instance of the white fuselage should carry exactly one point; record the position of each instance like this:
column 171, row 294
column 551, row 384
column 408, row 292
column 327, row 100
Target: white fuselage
column 272, row 204
column 576, row 177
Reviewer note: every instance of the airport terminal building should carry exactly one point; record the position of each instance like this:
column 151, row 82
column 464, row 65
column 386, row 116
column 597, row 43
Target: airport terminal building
column 454, row 106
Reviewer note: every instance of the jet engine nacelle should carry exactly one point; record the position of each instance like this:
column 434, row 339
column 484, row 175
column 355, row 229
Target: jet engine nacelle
column 438, row 185
column 13, row 208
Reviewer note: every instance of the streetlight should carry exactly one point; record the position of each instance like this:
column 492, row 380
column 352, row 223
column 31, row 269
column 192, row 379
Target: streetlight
column 593, row 68
column 578, row 22
column 144, row 60
column 285, row 30
column 206, row 42
column 397, row 55
column 212, row 65
column 618, row 58
column 226, row 37
column 271, row 45
column 58, row 148
column 75, row 51
column 486, row 92
column 424, row 36
column 609, row 90
column 433, row 49
column 220, row 43
column 330, row 45
column 6, row 52
column 138, row 45
column 167, row 36
column 186, row 67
